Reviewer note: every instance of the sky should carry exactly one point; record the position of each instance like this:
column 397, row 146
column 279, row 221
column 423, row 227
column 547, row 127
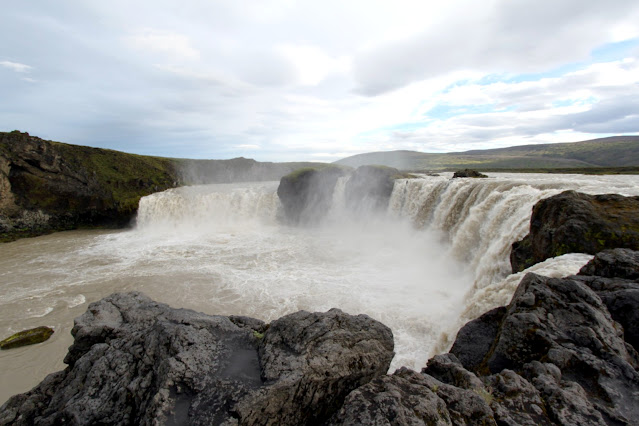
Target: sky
column 280, row 80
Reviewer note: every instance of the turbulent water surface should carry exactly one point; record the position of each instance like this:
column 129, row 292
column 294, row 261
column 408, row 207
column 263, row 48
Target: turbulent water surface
column 437, row 258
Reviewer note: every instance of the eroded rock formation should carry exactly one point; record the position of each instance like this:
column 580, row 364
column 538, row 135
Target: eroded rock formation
column 369, row 188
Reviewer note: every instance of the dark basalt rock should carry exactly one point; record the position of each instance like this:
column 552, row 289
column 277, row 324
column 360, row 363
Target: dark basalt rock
column 572, row 222
column 468, row 173
column 27, row 337
column 615, row 263
column 307, row 194
column 474, row 340
column 135, row 361
column 555, row 355
column 369, row 188
column 621, row 295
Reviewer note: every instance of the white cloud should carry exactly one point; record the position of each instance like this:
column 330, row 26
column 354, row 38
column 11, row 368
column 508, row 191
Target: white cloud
column 312, row 64
column 320, row 80
column 16, row 66
column 176, row 46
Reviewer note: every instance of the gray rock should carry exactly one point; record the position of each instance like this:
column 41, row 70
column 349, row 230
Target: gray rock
column 474, row 339
column 307, row 194
column 135, row 361
column 621, row 296
column 411, row 398
column 615, row 263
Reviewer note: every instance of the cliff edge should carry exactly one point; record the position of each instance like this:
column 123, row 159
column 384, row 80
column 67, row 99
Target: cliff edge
column 49, row 186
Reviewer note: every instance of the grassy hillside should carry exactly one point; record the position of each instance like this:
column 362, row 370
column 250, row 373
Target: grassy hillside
column 617, row 151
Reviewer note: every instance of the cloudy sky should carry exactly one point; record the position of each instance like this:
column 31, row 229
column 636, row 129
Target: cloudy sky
column 318, row 80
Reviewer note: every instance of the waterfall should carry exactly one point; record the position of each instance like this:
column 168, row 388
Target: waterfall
column 206, row 208
column 478, row 219
column 436, row 259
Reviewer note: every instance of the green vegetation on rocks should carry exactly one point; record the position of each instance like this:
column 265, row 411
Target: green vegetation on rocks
column 27, row 337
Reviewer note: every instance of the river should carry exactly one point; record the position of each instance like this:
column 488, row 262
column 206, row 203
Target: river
column 435, row 259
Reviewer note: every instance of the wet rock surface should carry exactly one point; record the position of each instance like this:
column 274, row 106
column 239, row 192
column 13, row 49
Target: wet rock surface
column 369, row 188
column 135, row 361
column 306, row 194
column 562, row 352
column 572, row 222
column 27, row 337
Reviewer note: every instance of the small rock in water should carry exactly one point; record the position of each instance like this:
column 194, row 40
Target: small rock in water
column 27, row 337
column 468, row 173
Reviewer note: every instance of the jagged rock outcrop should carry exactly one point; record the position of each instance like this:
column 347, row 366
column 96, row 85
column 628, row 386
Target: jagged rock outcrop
column 135, row 361
column 468, row 173
column 306, row 194
column 614, row 275
column 555, row 355
column 369, row 188
column 572, row 222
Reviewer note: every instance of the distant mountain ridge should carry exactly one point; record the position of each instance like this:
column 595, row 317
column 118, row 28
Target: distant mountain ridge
column 615, row 151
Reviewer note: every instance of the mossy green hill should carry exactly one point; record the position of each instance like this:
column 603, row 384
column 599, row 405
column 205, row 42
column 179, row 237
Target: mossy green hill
column 617, row 151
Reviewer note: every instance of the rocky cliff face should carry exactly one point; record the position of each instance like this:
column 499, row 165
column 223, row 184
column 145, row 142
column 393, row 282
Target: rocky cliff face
column 47, row 186
column 572, row 222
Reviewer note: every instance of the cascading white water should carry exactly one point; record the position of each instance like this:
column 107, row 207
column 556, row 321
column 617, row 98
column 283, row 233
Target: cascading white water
column 436, row 259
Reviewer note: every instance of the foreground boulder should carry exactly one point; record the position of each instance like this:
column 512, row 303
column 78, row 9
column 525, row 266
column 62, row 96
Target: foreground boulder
column 27, row 337
column 555, row 355
column 135, row 361
column 572, row 222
